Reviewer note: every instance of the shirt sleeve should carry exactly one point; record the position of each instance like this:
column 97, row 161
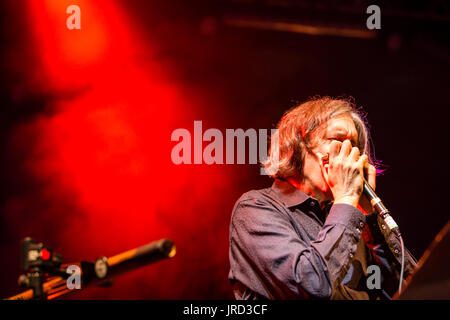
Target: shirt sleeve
column 268, row 256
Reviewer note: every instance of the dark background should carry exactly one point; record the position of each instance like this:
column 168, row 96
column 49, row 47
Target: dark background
column 239, row 78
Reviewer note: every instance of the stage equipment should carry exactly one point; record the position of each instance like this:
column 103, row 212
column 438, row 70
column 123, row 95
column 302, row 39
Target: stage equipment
column 47, row 278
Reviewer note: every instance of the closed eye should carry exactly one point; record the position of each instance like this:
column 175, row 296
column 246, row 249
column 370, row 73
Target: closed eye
column 337, row 139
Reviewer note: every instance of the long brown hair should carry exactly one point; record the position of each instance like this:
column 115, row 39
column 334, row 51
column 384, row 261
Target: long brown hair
column 296, row 130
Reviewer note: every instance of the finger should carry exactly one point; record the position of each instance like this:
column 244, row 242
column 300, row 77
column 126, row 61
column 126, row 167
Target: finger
column 346, row 148
column 361, row 163
column 366, row 170
column 335, row 147
column 371, row 175
column 354, row 154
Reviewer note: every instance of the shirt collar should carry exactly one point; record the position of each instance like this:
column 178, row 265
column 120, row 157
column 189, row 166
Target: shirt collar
column 290, row 195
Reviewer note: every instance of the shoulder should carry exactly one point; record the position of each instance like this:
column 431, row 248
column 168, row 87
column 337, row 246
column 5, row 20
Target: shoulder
column 257, row 202
column 256, row 197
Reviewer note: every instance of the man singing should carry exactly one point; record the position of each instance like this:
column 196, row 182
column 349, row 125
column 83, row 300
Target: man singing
column 313, row 234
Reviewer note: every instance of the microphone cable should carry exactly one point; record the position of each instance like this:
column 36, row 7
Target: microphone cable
column 392, row 225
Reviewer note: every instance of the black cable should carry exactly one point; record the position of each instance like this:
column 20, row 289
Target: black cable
column 403, row 263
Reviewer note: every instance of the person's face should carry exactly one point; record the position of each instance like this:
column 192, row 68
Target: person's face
column 340, row 129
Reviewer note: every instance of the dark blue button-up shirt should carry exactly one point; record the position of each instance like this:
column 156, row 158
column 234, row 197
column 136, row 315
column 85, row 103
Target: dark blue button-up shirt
column 284, row 246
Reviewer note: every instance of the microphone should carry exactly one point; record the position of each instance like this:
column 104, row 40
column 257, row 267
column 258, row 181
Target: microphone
column 133, row 259
column 378, row 205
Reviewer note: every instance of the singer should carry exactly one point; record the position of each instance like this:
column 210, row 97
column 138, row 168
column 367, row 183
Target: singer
column 313, row 234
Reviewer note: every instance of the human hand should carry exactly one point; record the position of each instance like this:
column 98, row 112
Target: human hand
column 345, row 172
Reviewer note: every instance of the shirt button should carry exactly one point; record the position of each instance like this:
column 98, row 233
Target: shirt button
column 358, row 230
column 396, row 251
column 312, row 203
column 351, row 255
column 361, row 224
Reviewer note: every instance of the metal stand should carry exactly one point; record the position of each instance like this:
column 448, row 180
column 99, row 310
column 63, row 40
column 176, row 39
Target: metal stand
column 39, row 261
column 431, row 279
